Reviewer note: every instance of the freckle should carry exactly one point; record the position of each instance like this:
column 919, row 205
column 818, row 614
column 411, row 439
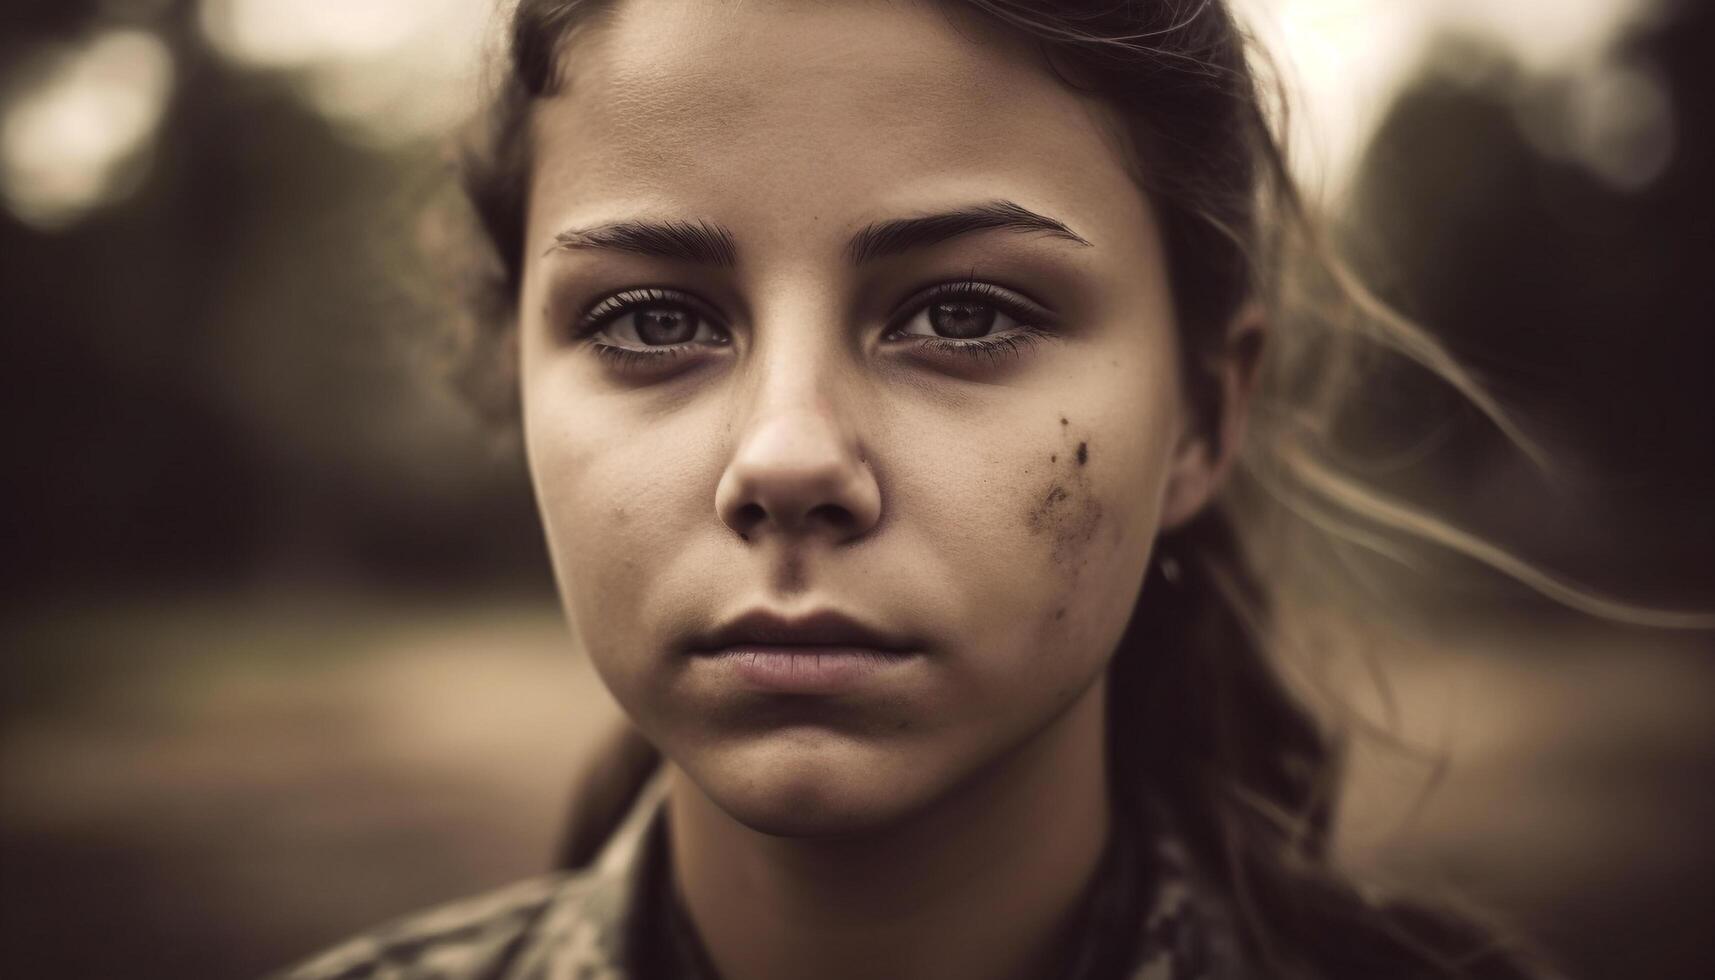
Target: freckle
column 1053, row 458
column 1083, row 453
column 1060, row 613
column 1063, row 420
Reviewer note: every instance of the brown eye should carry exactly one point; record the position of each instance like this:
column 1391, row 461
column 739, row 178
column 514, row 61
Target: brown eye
column 962, row 320
column 971, row 318
column 661, row 325
column 652, row 321
column 966, row 312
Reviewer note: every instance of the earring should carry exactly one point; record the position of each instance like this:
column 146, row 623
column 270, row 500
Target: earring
column 1169, row 566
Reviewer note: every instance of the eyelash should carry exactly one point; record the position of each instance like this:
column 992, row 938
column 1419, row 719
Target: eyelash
column 1032, row 321
column 619, row 304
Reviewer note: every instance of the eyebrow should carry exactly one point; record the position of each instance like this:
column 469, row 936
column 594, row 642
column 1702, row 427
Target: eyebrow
column 898, row 235
column 710, row 244
column 690, row 241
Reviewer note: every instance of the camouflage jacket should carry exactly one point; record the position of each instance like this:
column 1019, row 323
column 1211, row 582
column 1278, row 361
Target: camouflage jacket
column 590, row 925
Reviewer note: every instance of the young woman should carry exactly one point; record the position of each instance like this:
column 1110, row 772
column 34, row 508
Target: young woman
column 882, row 368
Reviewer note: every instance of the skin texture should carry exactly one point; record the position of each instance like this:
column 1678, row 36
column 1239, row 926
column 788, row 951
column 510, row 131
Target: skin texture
column 802, row 453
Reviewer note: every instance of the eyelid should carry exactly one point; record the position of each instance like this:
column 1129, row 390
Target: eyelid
column 1015, row 303
column 615, row 305
column 1033, row 321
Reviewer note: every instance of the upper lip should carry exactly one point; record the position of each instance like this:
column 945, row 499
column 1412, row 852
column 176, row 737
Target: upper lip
column 821, row 628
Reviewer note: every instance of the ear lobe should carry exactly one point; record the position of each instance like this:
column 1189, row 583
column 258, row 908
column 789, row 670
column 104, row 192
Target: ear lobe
column 1206, row 454
column 1189, row 484
column 1190, row 481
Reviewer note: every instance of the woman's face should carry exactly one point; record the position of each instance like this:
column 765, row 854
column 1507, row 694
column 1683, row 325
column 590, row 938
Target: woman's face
column 756, row 380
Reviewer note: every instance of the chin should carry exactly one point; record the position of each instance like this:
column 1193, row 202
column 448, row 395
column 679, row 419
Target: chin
column 810, row 783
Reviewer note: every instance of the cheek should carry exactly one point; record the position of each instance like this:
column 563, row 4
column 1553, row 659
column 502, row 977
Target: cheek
column 1090, row 519
column 1068, row 512
column 614, row 514
column 582, row 495
column 1087, row 519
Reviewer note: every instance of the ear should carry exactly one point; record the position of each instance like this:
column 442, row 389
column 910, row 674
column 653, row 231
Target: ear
column 1209, row 441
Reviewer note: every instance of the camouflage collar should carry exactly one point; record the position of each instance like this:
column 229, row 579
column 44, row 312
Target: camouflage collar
column 587, row 925
column 1145, row 875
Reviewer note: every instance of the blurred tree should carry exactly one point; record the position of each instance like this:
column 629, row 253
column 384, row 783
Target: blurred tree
column 1587, row 306
column 1586, row 298
column 218, row 377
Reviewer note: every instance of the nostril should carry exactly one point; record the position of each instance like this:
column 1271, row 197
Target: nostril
column 748, row 517
column 833, row 514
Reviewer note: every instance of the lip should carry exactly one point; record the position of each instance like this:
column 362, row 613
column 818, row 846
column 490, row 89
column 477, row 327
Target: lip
column 823, row 628
column 825, row 652
column 805, row 669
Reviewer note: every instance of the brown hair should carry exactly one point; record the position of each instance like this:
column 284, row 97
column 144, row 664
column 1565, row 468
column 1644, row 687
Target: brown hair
column 1200, row 721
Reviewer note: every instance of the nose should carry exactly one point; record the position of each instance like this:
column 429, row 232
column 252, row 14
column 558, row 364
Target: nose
column 799, row 468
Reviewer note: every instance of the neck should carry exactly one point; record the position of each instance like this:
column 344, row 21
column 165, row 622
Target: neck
column 981, row 885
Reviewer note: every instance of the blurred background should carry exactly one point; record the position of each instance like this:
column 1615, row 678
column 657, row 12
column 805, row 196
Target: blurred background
column 279, row 655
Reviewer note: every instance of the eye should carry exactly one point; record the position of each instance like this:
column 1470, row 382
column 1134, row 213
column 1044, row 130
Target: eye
column 650, row 322
column 974, row 318
column 959, row 319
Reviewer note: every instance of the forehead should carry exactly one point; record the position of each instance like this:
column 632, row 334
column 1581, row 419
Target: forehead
column 770, row 114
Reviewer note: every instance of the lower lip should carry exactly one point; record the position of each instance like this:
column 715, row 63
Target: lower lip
column 805, row 670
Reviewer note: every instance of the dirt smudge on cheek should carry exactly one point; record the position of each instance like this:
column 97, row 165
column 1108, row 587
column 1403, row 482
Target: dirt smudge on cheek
column 1044, row 514
column 1068, row 517
column 1067, row 511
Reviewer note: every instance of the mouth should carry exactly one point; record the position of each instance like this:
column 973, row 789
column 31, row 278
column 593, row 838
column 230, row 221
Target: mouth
column 823, row 653
column 805, row 670
column 824, row 628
